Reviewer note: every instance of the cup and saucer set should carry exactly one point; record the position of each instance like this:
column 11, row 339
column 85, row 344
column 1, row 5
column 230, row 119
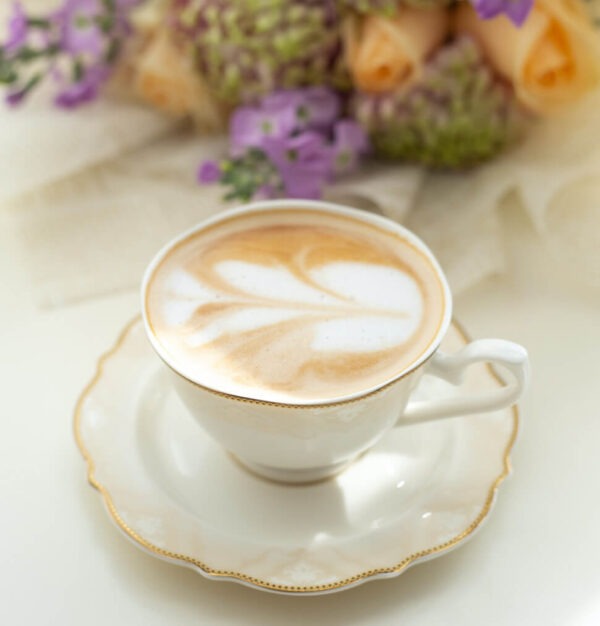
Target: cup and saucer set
column 295, row 409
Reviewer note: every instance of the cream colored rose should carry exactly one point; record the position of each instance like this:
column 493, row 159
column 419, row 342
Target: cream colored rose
column 384, row 54
column 165, row 77
column 552, row 60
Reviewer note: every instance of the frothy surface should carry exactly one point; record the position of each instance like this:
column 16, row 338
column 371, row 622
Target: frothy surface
column 294, row 305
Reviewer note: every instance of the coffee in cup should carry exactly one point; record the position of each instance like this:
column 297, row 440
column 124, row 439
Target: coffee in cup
column 294, row 305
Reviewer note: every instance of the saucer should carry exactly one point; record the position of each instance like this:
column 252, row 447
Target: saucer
column 420, row 492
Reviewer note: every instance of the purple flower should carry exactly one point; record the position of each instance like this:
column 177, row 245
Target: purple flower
column 313, row 107
column 208, row 172
column 516, row 10
column 14, row 98
column 251, row 127
column 84, row 90
column 319, row 108
column 17, row 29
column 283, row 99
column 282, row 114
column 265, row 192
column 349, row 144
column 79, row 30
column 305, row 163
column 291, row 142
column 75, row 45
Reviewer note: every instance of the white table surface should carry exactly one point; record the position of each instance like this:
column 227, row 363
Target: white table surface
column 535, row 562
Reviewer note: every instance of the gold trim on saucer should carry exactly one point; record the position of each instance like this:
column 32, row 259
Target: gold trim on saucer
column 251, row 580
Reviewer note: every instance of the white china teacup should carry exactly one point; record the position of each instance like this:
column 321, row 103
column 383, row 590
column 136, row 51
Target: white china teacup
column 311, row 439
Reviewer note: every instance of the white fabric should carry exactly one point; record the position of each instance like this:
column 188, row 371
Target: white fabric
column 41, row 144
column 93, row 233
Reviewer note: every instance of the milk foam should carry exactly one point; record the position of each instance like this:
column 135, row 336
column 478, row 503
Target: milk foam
column 295, row 310
column 276, row 283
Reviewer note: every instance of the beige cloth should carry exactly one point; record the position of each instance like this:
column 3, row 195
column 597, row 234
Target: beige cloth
column 40, row 144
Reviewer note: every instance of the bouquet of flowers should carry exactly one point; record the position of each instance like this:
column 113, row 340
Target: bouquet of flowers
column 308, row 88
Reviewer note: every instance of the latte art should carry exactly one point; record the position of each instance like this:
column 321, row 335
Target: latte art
column 294, row 306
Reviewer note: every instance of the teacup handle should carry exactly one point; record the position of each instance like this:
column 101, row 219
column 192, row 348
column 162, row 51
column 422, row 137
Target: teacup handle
column 451, row 367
